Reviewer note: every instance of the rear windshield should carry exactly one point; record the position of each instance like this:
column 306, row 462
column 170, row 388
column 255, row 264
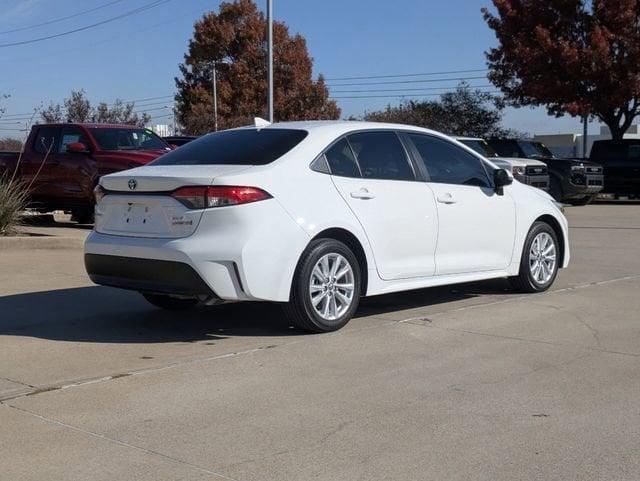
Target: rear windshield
column 534, row 149
column 480, row 146
column 235, row 147
column 109, row 138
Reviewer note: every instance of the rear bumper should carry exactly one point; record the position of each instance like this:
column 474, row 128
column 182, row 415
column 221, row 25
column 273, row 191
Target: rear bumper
column 146, row 275
column 238, row 253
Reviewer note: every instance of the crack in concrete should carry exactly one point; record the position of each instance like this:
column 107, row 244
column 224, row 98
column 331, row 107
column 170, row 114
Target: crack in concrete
column 118, row 442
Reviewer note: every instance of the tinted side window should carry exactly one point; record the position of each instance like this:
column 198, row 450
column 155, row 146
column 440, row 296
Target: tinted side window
column 341, row 160
column 46, row 140
column 447, row 163
column 71, row 135
column 380, row 155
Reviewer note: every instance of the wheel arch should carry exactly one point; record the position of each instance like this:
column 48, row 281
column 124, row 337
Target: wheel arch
column 353, row 243
column 557, row 228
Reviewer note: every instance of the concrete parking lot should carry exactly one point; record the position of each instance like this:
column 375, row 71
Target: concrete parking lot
column 472, row 382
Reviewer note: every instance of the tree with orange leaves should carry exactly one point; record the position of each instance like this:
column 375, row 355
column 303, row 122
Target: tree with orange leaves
column 575, row 57
column 234, row 38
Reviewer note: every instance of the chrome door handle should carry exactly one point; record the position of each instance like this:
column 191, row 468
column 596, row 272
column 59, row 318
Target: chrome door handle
column 447, row 198
column 363, row 194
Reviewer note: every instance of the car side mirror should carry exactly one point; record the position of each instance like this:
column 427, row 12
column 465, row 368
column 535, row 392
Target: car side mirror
column 501, row 178
column 77, row 148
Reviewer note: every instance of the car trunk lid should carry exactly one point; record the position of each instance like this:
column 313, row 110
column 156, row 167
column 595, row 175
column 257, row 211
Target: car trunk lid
column 138, row 202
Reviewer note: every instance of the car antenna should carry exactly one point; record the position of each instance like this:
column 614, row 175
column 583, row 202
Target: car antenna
column 260, row 122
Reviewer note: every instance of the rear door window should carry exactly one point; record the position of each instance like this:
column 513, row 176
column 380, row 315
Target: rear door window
column 46, row 140
column 381, row 155
column 341, row 160
column 235, row 147
column 447, row 163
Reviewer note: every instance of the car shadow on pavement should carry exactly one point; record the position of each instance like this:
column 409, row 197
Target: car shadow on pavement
column 105, row 315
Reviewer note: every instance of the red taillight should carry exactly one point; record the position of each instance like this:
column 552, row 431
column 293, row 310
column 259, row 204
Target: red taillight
column 218, row 196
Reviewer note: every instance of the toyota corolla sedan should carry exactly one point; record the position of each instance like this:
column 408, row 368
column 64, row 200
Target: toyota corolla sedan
column 316, row 215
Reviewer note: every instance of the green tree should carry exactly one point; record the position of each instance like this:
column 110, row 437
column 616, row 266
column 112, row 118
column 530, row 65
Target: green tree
column 234, row 38
column 464, row 112
column 77, row 108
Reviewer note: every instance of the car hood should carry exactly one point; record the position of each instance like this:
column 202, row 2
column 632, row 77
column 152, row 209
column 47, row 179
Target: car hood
column 519, row 162
column 142, row 157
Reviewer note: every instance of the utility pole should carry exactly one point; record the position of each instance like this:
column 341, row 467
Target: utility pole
column 585, row 134
column 270, row 58
column 215, row 99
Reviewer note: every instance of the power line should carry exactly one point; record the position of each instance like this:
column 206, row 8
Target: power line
column 27, row 115
column 407, row 75
column 155, row 3
column 406, row 90
column 450, row 79
column 61, row 19
column 399, row 96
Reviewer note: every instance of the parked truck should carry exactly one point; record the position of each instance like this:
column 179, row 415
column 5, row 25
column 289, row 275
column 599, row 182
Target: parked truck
column 528, row 171
column 573, row 181
column 63, row 162
column 621, row 162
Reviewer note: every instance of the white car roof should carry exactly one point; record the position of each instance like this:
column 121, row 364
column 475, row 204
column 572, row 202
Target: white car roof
column 339, row 127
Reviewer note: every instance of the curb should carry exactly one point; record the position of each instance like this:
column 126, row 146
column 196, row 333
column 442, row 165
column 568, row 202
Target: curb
column 40, row 242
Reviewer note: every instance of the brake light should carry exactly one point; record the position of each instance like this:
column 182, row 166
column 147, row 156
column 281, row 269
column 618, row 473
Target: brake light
column 218, row 196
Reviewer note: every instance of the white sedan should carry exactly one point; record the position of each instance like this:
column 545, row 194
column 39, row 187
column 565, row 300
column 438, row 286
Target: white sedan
column 316, row 215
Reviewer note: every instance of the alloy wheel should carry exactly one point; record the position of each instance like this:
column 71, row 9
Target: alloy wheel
column 542, row 258
column 331, row 286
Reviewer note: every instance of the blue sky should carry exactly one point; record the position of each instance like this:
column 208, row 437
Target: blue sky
column 138, row 56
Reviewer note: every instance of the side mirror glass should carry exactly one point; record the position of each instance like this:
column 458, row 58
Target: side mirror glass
column 501, row 178
column 77, row 148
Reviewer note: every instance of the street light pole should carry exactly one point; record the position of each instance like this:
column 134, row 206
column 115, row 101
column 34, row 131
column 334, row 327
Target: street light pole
column 585, row 134
column 270, row 58
column 215, row 99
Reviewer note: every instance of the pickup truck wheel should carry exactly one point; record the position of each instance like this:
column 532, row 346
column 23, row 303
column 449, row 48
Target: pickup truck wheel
column 555, row 189
column 83, row 216
column 583, row 201
column 171, row 303
column 539, row 261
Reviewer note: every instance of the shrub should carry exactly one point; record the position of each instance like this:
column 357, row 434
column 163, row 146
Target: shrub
column 13, row 201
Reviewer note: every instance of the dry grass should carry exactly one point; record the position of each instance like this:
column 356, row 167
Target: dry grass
column 13, row 201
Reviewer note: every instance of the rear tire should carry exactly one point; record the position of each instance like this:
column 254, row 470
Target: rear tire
column 83, row 216
column 325, row 291
column 171, row 303
column 539, row 262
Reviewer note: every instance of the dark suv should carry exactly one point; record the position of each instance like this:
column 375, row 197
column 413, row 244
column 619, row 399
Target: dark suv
column 573, row 181
column 621, row 162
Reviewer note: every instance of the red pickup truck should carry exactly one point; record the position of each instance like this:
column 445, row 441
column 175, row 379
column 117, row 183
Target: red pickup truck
column 63, row 162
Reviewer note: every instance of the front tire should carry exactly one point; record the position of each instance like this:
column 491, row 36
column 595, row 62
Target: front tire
column 583, row 201
column 326, row 287
column 539, row 262
column 170, row 303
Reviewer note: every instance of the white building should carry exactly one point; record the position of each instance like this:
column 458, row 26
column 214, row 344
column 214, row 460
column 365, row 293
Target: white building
column 570, row 145
column 162, row 130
